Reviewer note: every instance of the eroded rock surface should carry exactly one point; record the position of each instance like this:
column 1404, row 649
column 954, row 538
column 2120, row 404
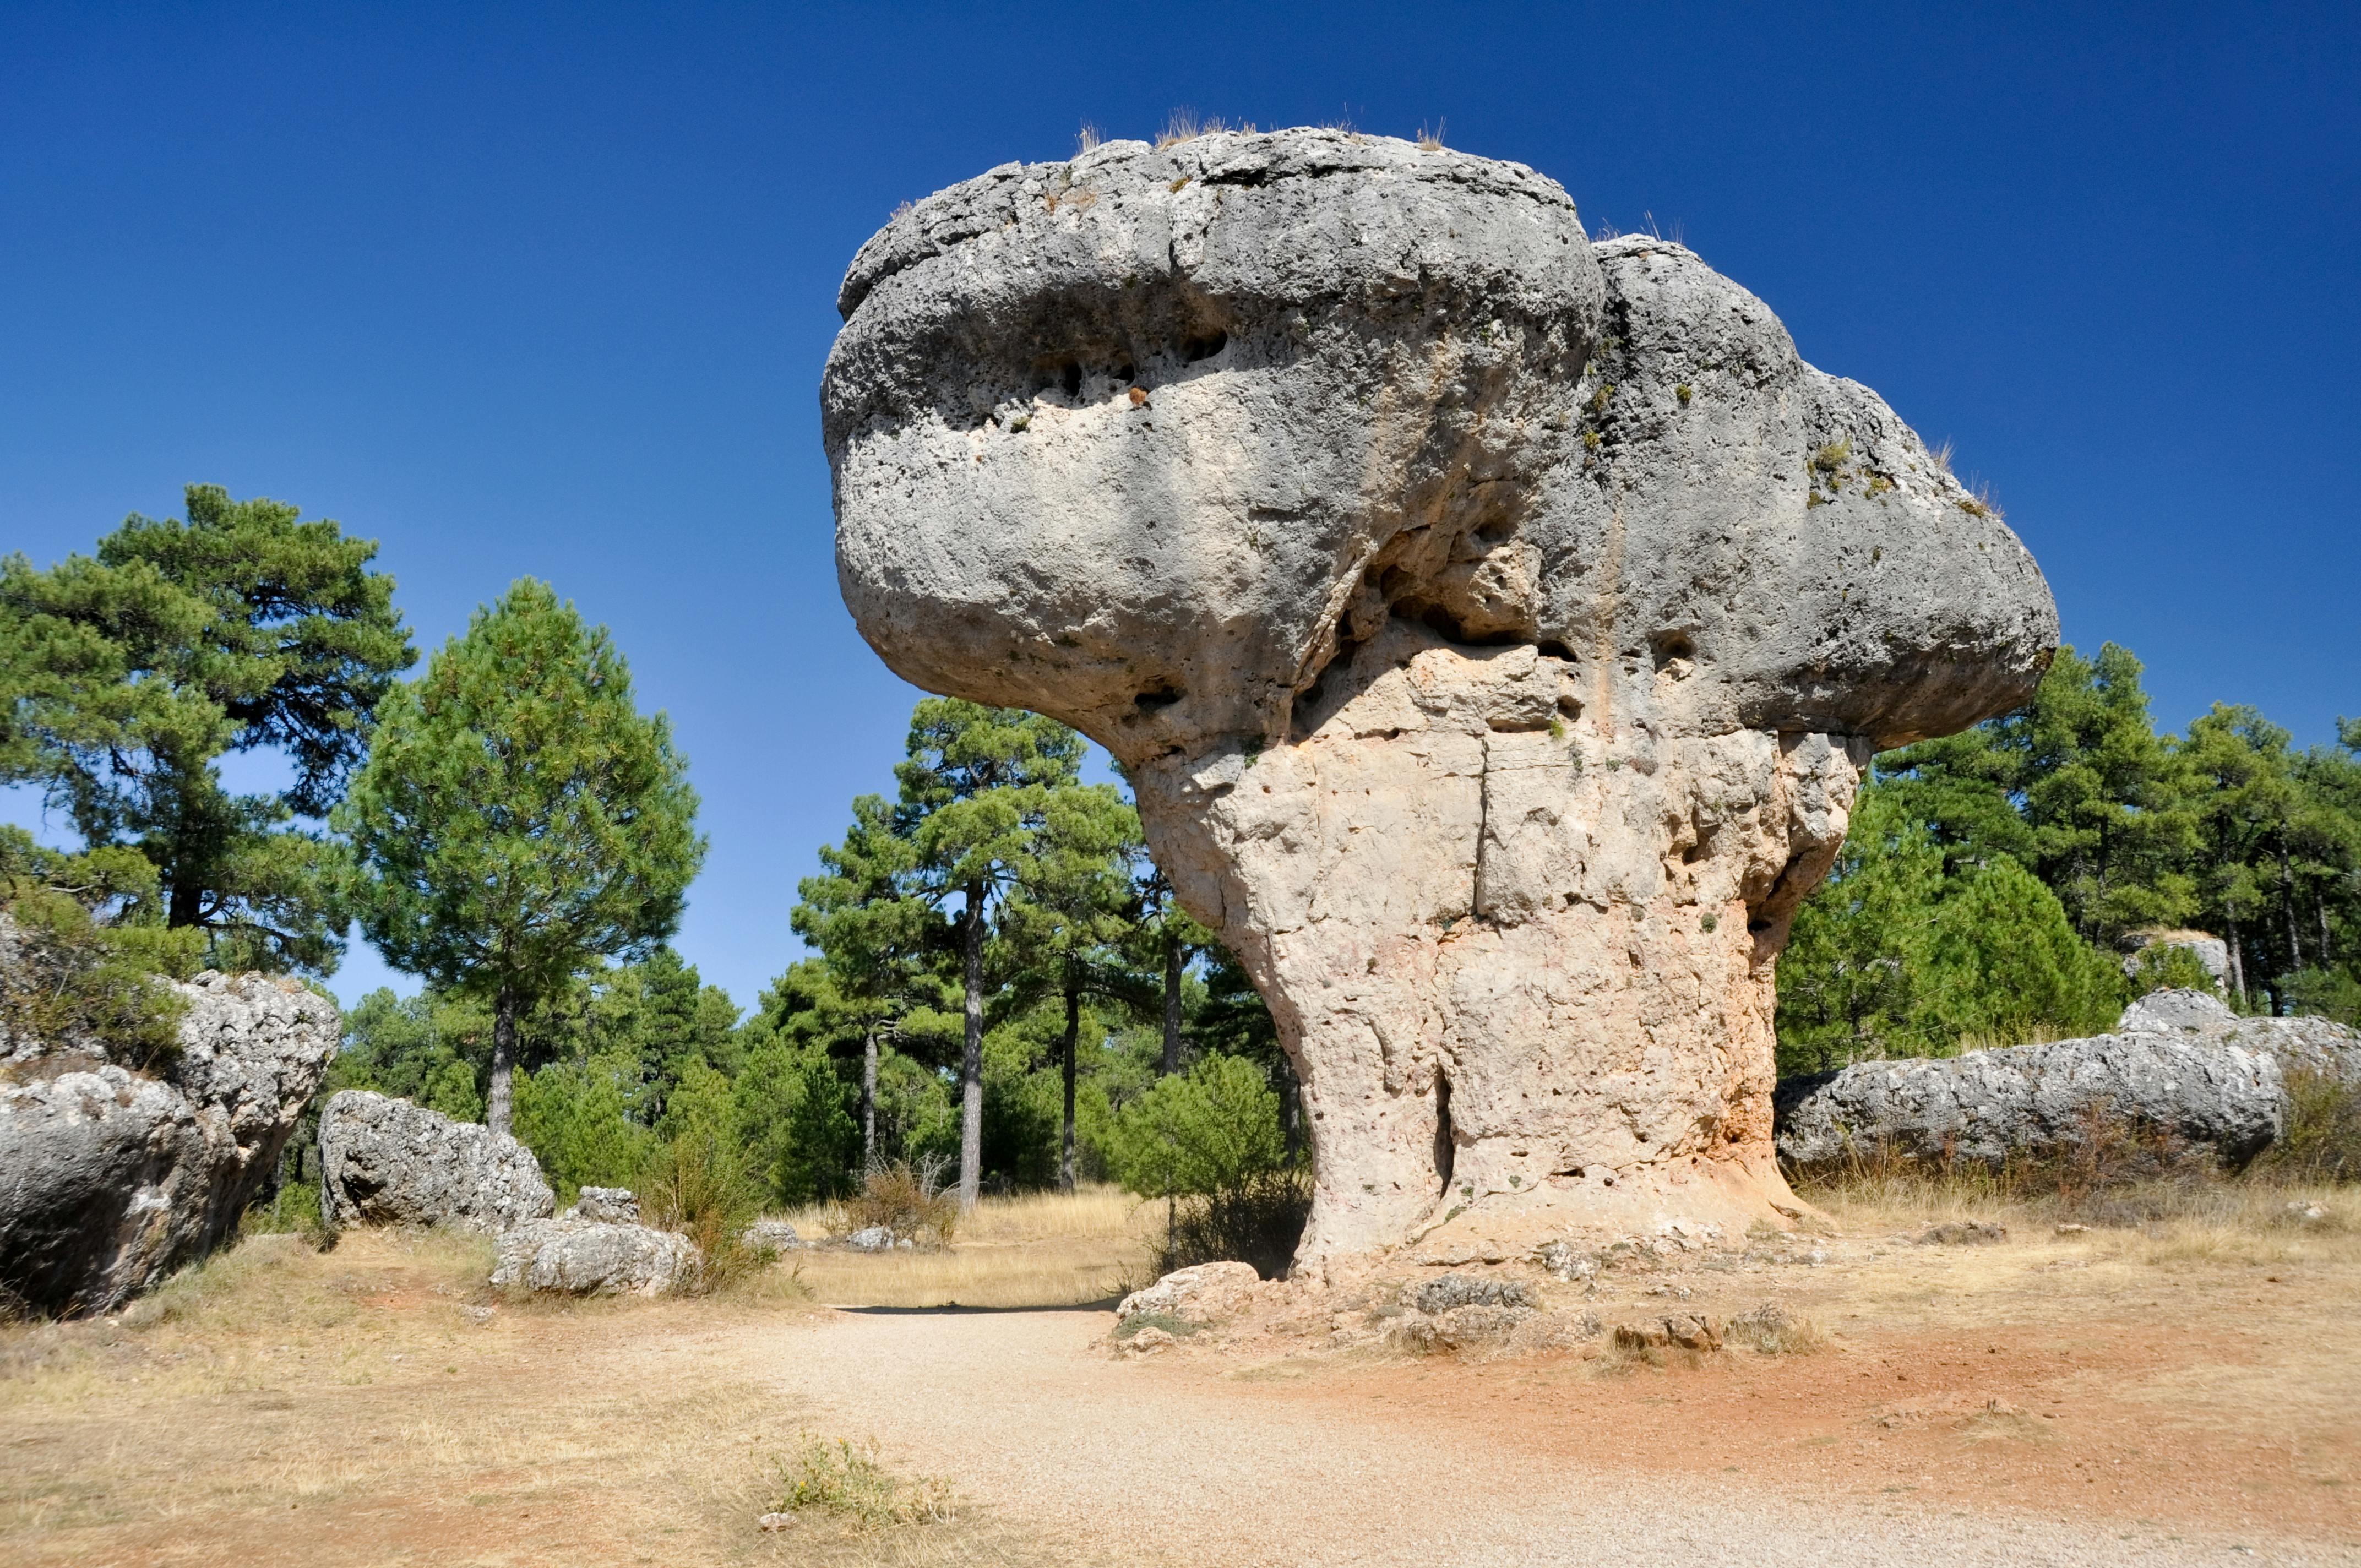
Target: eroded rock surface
column 2181, row 1063
column 1494, row 625
column 384, row 1161
column 111, row 1177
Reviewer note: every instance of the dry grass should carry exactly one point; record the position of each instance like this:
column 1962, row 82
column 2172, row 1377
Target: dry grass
column 2161, row 1222
column 376, row 1403
column 1035, row 1250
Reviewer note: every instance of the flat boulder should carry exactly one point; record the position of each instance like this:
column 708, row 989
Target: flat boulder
column 384, row 1161
column 576, row 1256
column 2180, row 1065
column 111, row 1176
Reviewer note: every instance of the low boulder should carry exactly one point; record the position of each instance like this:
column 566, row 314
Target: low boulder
column 2205, row 1085
column 1203, row 1294
column 768, row 1235
column 385, row 1161
column 610, row 1205
column 112, row 1176
column 576, row 1256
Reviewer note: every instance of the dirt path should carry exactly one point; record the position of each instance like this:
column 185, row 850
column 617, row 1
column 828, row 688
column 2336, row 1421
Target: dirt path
column 1185, row 1463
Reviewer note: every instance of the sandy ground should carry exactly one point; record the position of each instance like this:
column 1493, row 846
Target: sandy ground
column 2048, row 1400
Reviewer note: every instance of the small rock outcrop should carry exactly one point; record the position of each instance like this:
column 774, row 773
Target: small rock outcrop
column 772, row 1235
column 577, row 1257
column 2180, row 1062
column 1203, row 1294
column 1495, row 626
column 610, row 1205
column 111, row 1179
column 385, row 1161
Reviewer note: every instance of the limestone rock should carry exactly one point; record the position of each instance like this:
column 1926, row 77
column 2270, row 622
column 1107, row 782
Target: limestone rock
column 1449, row 1290
column 776, row 1236
column 1203, row 1294
column 2298, row 1045
column 1495, row 626
column 2037, row 1101
column 110, row 1178
column 2208, row 949
column 385, row 1161
column 611, row 1205
column 574, row 1256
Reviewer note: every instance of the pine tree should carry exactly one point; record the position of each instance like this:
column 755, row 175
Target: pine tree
column 974, row 789
column 125, row 677
column 519, row 820
column 1072, row 909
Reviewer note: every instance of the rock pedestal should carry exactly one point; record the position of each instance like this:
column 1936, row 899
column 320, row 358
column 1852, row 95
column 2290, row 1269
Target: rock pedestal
column 1495, row 626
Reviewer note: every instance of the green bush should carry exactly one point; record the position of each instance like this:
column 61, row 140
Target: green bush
column 1213, row 1129
column 91, row 943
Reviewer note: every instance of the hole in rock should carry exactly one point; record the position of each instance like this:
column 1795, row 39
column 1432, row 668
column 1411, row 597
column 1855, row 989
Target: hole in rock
column 1757, row 928
column 1192, row 349
column 1671, row 645
column 1070, row 377
column 1444, row 1150
column 1124, row 373
column 1156, row 698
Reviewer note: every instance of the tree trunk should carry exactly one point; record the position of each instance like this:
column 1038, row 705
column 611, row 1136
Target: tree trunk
column 1172, row 967
column 2287, row 890
column 1073, row 1038
column 186, row 907
column 2327, row 957
column 869, row 1097
column 972, row 1057
column 504, row 1012
column 1291, row 1108
column 2237, row 952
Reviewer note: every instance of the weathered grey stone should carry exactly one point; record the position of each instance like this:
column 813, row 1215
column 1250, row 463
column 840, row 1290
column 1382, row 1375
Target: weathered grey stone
column 385, row 1161
column 871, row 1238
column 1202, row 1294
column 574, row 1256
column 2207, row 949
column 110, row 1178
column 775, row 1235
column 2038, row 1101
column 2298, row 1045
column 613, row 1205
column 1495, row 626
column 1445, row 1291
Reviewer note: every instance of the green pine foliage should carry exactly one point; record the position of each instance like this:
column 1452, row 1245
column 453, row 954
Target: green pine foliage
column 81, row 941
column 518, row 819
column 125, row 675
column 1996, row 884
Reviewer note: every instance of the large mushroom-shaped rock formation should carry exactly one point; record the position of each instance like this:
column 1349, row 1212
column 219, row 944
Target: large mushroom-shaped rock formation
column 1494, row 625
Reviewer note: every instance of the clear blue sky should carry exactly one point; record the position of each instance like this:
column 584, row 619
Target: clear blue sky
column 518, row 289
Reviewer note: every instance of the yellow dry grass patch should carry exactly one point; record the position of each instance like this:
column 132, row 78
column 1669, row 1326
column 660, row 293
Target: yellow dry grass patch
column 1035, row 1250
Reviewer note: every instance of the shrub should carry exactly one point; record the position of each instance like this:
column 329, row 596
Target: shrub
column 1211, row 1130
column 2322, row 1140
column 845, row 1479
column 907, row 1199
column 700, row 1180
column 1259, row 1220
column 89, row 943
